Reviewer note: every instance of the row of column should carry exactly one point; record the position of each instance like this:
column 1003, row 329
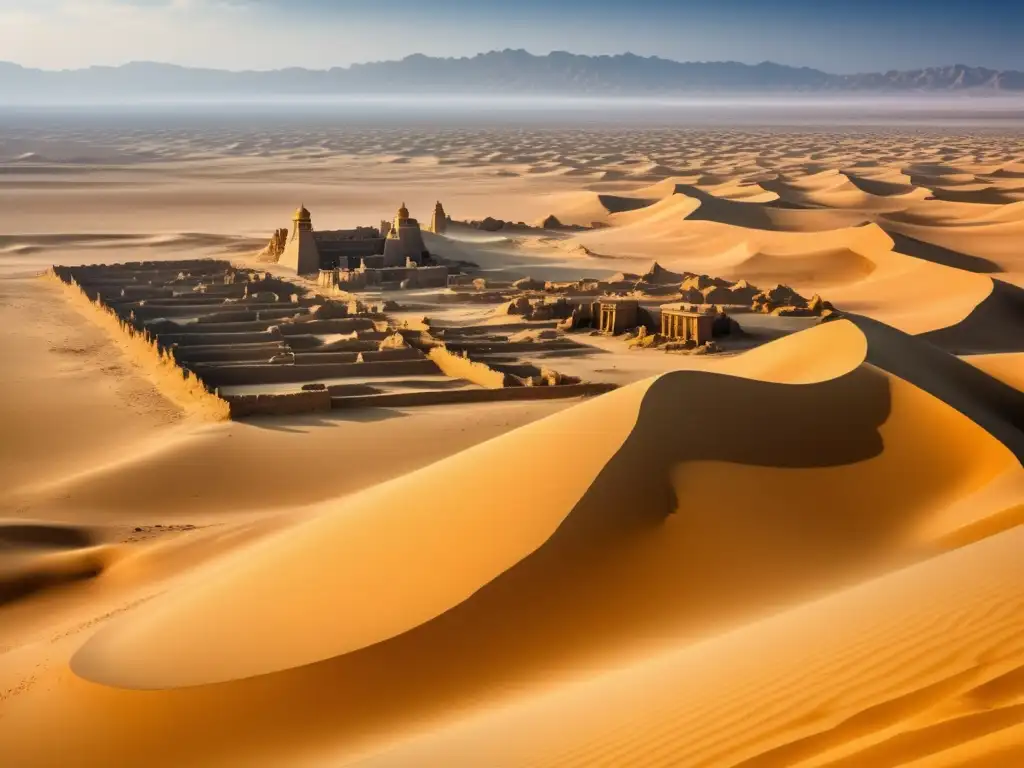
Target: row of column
column 675, row 326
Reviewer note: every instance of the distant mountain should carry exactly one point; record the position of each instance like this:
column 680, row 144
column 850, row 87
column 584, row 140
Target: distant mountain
column 509, row 72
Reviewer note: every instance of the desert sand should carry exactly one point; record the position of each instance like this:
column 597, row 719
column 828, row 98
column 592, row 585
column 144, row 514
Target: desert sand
column 808, row 553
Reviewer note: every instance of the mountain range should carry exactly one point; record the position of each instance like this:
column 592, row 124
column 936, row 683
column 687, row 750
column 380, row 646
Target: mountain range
column 508, row 72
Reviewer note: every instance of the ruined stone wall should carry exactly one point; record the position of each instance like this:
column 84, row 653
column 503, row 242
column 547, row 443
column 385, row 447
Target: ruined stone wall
column 278, row 405
column 275, row 247
column 335, row 325
column 509, row 347
column 457, row 366
column 286, row 373
column 407, row 353
column 243, row 353
column 463, row 396
column 214, row 339
column 319, row 358
column 183, row 387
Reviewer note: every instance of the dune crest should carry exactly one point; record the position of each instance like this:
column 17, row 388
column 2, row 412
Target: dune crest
column 364, row 570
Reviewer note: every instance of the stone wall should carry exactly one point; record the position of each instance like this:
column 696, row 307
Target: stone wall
column 464, row 396
column 217, row 339
column 278, row 405
column 273, row 250
column 287, row 373
column 319, row 358
column 243, row 353
column 336, row 325
column 458, row 366
column 181, row 386
column 406, row 353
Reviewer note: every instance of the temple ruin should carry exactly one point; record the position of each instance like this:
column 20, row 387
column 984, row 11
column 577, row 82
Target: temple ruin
column 439, row 221
column 681, row 322
column 247, row 342
column 615, row 316
column 306, row 250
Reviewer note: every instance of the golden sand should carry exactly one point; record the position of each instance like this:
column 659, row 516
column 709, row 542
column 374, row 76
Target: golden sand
column 804, row 554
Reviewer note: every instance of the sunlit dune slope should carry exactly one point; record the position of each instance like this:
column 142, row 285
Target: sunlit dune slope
column 733, row 223
column 588, row 208
column 606, row 525
column 1008, row 367
column 921, row 668
column 856, row 268
column 990, row 233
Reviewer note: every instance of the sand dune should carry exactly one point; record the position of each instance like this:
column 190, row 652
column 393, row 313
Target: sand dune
column 802, row 554
column 35, row 556
column 651, row 541
column 861, row 678
column 584, row 208
column 992, row 326
column 857, row 267
column 361, row 534
column 1007, row 367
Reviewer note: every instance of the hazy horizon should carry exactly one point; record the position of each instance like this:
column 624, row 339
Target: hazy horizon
column 933, row 111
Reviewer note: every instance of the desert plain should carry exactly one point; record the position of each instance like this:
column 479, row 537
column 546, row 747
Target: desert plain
column 805, row 553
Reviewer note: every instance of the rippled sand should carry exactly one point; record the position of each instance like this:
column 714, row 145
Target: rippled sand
column 805, row 554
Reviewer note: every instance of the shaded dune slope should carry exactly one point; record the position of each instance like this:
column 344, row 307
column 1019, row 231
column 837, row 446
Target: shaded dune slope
column 994, row 325
column 937, row 254
column 1007, row 367
column 778, row 215
column 37, row 556
column 862, row 679
column 911, row 284
column 976, row 236
column 988, row 402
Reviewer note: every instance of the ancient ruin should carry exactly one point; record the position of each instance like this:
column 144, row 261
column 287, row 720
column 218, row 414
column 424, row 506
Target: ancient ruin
column 394, row 244
column 615, row 315
column 682, row 322
column 246, row 342
column 439, row 220
column 659, row 308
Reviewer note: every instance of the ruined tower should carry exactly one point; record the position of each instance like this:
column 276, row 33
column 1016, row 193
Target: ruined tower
column 404, row 241
column 300, row 254
column 439, row 221
column 301, row 221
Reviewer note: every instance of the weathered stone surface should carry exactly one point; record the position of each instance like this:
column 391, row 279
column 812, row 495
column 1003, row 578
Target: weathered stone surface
column 490, row 224
column 274, row 248
column 529, row 284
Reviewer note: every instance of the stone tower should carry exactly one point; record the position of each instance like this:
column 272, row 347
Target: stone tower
column 439, row 221
column 301, row 254
column 301, row 221
column 404, row 241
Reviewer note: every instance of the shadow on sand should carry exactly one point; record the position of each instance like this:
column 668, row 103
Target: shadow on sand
column 939, row 255
column 303, row 423
column 993, row 326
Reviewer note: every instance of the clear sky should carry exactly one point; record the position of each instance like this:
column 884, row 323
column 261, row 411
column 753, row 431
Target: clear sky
column 835, row 35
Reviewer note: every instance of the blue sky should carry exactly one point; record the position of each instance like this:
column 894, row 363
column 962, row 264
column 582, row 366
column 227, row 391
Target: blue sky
column 834, row 35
